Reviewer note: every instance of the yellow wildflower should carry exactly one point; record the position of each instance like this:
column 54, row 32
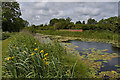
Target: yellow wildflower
column 32, row 54
column 14, row 47
column 46, row 54
column 66, row 72
column 35, row 43
column 8, row 58
column 113, row 71
column 44, row 58
column 46, row 63
column 76, row 46
column 35, row 49
column 13, row 57
column 41, row 51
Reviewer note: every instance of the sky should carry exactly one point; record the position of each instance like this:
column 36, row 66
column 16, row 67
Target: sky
column 41, row 12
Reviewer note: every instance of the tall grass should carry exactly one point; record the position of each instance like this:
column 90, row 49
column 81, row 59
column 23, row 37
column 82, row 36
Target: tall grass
column 26, row 57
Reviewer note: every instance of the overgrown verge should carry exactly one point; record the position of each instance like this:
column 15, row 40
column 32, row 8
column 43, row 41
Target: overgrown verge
column 26, row 57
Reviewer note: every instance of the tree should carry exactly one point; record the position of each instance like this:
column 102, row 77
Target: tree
column 83, row 22
column 71, row 24
column 91, row 21
column 11, row 20
column 68, row 19
column 53, row 21
column 78, row 22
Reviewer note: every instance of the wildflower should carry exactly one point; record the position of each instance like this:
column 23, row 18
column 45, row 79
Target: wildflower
column 32, row 54
column 41, row 51
column 46, row 54
column 35, row 43
column 35, row 49
column 13, row 57
column 113, row 71
column 14, row 47
column 66, row 72
column 44, row 59
column 76, row 46
column 8, row 58
column 46, row 63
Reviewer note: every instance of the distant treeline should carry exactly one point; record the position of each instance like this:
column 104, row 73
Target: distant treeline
column 110, row 24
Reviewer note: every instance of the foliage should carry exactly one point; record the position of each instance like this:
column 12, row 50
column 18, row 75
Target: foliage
column 91, row 21
column 110, row 24
column 11, row 20
column 6, row 35
column 28, row 58
column 107, row 35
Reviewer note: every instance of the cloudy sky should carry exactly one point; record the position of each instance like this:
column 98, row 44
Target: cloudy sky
column 41, row 12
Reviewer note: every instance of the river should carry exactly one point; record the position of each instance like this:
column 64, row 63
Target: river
column 110, row 65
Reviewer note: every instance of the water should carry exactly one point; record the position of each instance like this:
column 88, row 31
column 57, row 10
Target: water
column 98, row 45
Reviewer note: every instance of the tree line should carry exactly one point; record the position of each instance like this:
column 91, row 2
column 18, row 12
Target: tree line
column 109, row 24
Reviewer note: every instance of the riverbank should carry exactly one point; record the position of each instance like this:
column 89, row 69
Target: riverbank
column 106, row 37
column 95, row 60
column 33, row 58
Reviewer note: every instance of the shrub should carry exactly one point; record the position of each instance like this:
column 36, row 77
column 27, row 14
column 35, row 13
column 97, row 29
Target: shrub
column 5, row 35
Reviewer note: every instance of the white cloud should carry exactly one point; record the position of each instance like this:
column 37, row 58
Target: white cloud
column 41, row 12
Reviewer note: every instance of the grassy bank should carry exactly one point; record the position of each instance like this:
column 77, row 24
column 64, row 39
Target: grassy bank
column 32, row 59
column 100, row 36
column 84, row 34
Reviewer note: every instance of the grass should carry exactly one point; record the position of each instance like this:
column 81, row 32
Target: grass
column 26, row 57
column 85, row 34
column 0, row 59
column 90, row 35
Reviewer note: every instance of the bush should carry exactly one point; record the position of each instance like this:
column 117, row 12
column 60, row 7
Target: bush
column 5, row 35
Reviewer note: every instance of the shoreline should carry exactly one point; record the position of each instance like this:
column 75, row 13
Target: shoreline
column 63, row 38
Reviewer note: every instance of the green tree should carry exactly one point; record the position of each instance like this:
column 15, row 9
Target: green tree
column 11, row 20
column 91, row 21
column 78, row 22
column 83, row 22
column 53, row 21
column 68, row 19
column 71, row 24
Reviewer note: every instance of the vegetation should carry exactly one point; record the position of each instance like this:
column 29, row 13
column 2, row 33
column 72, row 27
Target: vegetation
column 95, row 60
column 11, row 20
column 107, row 35
column 110, row 24
column 26, row 57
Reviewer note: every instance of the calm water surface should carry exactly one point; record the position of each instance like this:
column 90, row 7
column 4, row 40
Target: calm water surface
column 98, row 45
